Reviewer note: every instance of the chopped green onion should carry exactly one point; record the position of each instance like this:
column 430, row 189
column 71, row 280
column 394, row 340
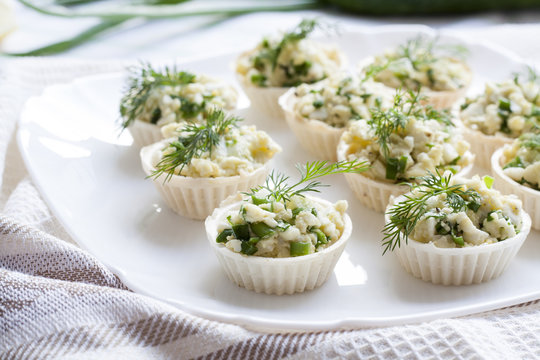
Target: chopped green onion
column 300, row 248
column 474, row 206
column 314, row 211
column 517, row 162
column 441, row 230
column 248, row 248
column 296, row 211
column 318, row 104
column 395, row 166
column 321, row 237
column 241, row 231
column 258, row 201
column 504, row 104
column 488, row 180
column 262, row 230
column 458, row 240
column 222, row 237
column 254, row 240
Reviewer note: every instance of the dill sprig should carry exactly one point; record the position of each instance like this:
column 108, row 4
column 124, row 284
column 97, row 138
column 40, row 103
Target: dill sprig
column 405, row 215
column 195, row 140
column 530, row 75
column 406, row 104
column 300, row 32
column 279, row 189
column 142, row 81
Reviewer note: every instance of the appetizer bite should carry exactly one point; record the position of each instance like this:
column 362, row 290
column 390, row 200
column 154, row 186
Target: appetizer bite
column 319, row 113
column 503, row 112
column 276, row 239
column 279, row 62
column 401, row 144
column 455, row 231
column 204, row 163
column 157, row 97
column 422, row 63
column 516, row 168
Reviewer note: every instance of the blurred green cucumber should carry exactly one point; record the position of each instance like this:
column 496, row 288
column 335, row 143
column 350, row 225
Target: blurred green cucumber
column 420, row 7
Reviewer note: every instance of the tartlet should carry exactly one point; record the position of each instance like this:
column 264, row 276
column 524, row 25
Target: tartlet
column 472, row 240
column 500, row 114
column 193, row 184
column 154, row 98
column 425, row 141
column 423, row 64
column 276, row 275
column 280, row 62
column 516, row 169
column 319, row 113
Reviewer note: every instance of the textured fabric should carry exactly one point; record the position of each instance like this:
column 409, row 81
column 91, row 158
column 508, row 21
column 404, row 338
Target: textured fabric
column 57, row 301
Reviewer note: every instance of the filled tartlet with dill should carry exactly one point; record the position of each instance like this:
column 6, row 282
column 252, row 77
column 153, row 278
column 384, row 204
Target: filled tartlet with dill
column 455, row 231
column 516, row 168
column 277, row 239
column 319, row 113
column 502, row 113
column 157, row 97
column 281, row 61
column 423, row 63
column 199, row 165
column 401, row 144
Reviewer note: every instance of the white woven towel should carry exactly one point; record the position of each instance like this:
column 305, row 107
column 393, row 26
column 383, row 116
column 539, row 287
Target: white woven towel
column 57, row 301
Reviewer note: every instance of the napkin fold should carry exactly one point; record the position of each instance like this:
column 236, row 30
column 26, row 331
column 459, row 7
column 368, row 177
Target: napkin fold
column 58, row 301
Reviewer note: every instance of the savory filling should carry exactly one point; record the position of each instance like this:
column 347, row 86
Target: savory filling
column 168, row 96
column 522, row 160
column 277, row 219
column 406, row 141
column 422, row 62
column 509, row 108
column 216, row 148
column 340, row 98
column 453, row 213
column 289, row 60
column 299, row 226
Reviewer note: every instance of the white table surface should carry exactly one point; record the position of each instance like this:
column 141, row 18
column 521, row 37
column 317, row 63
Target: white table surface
column 184, row 38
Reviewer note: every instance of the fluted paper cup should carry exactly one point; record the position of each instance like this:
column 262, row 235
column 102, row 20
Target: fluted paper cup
column 144, row 133
column 376, row 194
column 317, row 137
column 483, row 146
column 507, row 185
column 459, row 266
column 193, row 197
column 275, row 275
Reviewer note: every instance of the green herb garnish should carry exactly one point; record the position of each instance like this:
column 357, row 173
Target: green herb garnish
column 404, row 215
column 142, row 82
column 279, row 190
column 406, row 104
column 195, row 140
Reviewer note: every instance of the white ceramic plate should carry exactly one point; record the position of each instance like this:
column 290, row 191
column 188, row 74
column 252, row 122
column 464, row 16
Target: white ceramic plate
column 92, row 180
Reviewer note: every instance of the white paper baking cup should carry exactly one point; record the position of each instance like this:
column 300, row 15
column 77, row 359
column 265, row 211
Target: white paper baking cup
column 317, row 137
column 275, row 275
column 444, row 99
column 529, row 197
column 459, row 266
column 196, row 198
column 483, row 146
column 376, row 194
column 144, row 133
column 264, row 99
